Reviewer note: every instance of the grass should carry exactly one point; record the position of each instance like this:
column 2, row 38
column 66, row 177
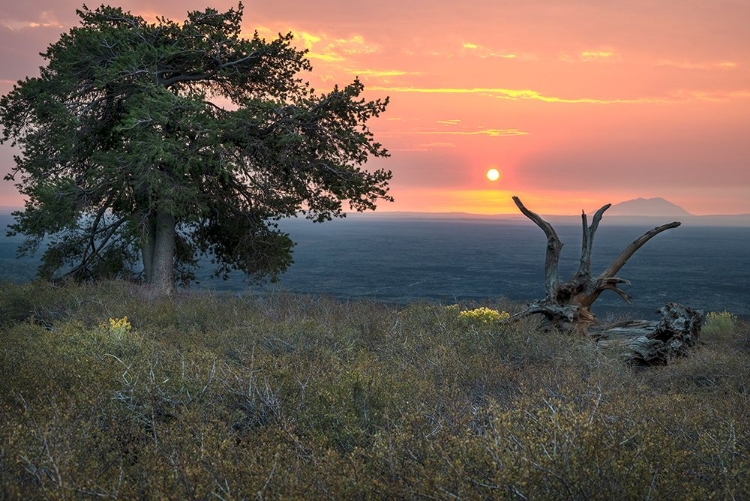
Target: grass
column 108, row 393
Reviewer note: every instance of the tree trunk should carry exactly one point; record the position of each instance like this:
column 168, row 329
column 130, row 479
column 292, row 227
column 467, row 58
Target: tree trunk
column 158, row 252
column 567, row 306
column 656, row 343
column 149, row 238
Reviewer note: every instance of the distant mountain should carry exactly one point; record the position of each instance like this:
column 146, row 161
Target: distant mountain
column 647, row 207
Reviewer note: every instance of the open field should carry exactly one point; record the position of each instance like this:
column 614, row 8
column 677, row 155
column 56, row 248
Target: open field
column 405, row 260
column 283, row 397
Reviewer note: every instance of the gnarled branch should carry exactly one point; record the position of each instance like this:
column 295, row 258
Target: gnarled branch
column 554, row 246
column 568, row 304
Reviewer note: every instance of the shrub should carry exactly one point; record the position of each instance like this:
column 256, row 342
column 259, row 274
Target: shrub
column 483, row 315
column 719, row 323
column 278, row 397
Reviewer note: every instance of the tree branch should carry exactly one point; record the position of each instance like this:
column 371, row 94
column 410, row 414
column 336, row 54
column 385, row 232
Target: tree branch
column 610, row 284
column 86, row 258
column 554, row 245
column 632, row 248
column 587, row 245
column 608, row 281
column 191, row 77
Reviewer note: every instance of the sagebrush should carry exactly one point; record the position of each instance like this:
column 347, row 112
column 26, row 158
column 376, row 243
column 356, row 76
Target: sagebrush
column 108, row 393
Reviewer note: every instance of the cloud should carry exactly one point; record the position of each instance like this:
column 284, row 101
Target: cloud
column 516, row 95
column 19, row 50
column 717, row 96
column 356, row 45
column 485, row 52
column 481, row 132
column 325, row 56
column 601, row 55
column 325, row 48
column 45, row 19
column 325, row 53
column 380, row 73
column 594, row 55
column 689, row 65
column 678, row 96
column 436, row 144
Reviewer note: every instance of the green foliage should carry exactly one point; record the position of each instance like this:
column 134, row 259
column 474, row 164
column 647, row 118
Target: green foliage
column 108, row 392
column 483, row 315
column 135, row 130
column 719, row 323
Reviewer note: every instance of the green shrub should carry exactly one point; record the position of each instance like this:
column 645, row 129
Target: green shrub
column 719, row 323
column 483, row 315
column 115, row 394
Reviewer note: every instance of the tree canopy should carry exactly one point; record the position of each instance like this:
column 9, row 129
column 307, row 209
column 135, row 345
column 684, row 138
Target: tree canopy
column 156, row 143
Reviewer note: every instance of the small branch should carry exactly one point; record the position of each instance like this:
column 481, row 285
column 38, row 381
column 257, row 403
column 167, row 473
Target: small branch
column 610, row 284
column 86, row 258
column 587, row 245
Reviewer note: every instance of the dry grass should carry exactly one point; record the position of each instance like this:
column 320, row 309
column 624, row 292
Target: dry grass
column 284, row 397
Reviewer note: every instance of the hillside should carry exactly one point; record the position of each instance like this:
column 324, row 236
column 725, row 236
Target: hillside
column 108, row 393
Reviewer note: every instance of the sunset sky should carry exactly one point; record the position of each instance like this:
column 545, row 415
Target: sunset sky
column 576, row 103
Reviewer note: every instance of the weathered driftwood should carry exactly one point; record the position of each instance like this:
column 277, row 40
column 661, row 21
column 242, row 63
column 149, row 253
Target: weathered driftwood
column 567, row 305
column 656, row 343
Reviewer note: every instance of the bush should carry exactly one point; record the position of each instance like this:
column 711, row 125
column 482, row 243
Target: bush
column 483, row 315
column 719, row 323
column 110, row 393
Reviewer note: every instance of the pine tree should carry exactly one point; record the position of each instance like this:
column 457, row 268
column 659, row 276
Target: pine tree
column 153, row 144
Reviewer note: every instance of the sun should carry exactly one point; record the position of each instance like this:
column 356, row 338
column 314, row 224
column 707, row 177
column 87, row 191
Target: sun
column 493, row 174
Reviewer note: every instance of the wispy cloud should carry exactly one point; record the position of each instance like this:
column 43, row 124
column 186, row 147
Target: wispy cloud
column 593, row 55
column 330, row 56
column 324, row 48
column 516, row 95
column 691, row 65
column 601, row 55
column 380, row 73
column 325, row 53
column 435, row 145
column 45, row 19
column 712, row 96
column 485, row 52
column 677, row 96
column 481, row 132
column 355, row 45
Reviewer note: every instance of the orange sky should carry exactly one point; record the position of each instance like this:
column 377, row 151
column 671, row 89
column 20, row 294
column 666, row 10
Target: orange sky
column 577, row 103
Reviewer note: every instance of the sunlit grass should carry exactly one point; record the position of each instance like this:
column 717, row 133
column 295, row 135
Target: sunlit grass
column 108, row 393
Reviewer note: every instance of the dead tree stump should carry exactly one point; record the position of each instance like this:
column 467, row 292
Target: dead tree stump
column 567, row 305
column 659, row 342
